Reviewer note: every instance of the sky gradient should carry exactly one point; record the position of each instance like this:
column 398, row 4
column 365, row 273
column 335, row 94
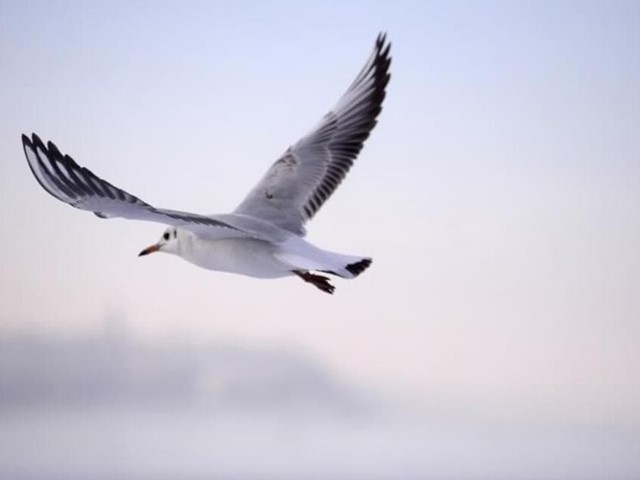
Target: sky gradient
column 499, row 195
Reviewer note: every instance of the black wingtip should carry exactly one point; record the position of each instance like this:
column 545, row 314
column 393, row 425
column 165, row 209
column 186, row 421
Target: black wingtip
column 53, row 149
column 37, row 142
column 30, row 142
column 382, row 44
column 383, row 58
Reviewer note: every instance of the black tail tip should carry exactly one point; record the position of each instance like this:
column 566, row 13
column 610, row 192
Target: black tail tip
column 357, row 268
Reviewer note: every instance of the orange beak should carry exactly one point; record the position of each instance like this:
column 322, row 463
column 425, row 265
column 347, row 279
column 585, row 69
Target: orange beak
column 148, row 250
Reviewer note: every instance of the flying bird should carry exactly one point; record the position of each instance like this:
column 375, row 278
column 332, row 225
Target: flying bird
column 264, row 236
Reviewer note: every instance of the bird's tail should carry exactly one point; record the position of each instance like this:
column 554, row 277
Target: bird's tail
column 303, row 256
column 359, row 266
column 346, row 266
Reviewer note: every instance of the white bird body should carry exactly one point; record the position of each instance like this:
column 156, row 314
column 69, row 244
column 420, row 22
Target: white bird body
column 264, row 236
column 258, row 258
column 243, row 256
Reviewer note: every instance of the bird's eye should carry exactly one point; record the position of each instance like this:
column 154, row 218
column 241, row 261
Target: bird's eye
column 166, row 235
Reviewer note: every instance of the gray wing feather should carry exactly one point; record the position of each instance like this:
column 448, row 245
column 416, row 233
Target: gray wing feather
column 77, row 186
column 299, row 182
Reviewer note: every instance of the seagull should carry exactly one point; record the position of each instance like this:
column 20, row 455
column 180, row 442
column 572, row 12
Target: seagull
column 264, row 236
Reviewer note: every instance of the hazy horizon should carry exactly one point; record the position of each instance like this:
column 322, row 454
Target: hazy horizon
column 94, row 406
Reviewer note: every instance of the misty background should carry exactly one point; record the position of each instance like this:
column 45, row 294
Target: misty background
column 496, row 334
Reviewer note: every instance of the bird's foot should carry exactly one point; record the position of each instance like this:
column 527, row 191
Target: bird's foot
column 318, row 281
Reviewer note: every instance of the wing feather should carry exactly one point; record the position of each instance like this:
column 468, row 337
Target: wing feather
column 299, row 182
column 77, row 186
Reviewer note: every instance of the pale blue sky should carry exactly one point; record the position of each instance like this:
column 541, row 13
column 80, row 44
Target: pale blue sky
column 499, row 195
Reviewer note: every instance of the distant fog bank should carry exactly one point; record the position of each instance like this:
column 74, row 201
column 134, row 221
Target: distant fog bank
column 114, row 370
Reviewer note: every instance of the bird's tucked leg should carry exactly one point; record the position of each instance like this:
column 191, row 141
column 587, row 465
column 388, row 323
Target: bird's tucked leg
column 319, row 281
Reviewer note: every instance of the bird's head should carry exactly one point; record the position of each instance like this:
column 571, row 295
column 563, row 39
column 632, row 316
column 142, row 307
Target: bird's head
column 168, row 243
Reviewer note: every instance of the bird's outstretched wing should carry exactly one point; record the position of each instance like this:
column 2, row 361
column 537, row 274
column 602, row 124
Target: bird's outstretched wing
column 298, row 184
column 67, row 181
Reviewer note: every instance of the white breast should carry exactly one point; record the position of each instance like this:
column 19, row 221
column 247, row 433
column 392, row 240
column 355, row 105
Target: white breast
column 253, row 258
